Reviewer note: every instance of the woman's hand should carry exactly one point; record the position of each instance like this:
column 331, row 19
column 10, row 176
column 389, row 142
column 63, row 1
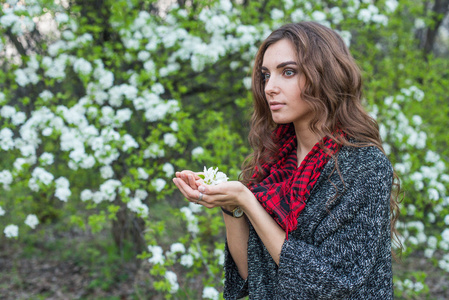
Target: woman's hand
column 227, row 194
column 191, row 178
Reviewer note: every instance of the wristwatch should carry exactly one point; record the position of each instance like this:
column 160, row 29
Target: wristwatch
column 236, row 212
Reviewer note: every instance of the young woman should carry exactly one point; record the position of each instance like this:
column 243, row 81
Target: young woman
column 313, row 214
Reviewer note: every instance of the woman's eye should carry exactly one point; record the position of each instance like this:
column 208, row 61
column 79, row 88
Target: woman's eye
column 265, row 76
column 289, row 72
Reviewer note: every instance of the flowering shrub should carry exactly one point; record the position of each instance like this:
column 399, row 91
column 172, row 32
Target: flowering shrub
column 98, row 113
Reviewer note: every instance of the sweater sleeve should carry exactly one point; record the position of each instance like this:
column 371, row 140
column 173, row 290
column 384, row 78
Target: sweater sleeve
column 235, row 286
column 346, row 243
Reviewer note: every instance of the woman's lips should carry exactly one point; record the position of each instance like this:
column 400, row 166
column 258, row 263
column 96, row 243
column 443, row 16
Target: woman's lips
column 276, row 105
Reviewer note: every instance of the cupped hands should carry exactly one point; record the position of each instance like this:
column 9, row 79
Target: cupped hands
column 226, row 194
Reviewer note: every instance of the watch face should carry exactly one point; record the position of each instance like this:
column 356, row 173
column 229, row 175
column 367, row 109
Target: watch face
column 238, row 212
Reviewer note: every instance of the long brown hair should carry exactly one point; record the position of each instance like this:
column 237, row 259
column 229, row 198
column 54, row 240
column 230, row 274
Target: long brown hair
column 333, row 90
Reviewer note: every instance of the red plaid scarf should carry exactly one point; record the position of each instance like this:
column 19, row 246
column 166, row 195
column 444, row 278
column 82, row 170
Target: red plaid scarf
column 285, row 189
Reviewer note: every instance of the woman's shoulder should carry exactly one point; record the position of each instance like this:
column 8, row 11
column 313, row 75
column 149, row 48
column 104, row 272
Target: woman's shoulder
column 356, row 161
column 353, row 156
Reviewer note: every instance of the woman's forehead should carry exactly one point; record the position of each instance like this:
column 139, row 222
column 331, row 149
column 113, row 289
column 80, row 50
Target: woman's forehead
column 279, row 52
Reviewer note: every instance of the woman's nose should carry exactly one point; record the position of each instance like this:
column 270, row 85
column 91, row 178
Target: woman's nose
column 271, row 86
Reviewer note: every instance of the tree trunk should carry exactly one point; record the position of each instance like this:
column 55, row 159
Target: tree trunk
column 439, row 12
column 128, row 228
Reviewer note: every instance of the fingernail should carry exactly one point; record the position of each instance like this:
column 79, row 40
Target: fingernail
column 201, row 188
column 174, row 180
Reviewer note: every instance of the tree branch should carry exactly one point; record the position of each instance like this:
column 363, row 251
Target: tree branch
column 16, row 42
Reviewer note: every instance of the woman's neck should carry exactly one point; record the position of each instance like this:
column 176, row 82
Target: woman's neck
column 306, row 140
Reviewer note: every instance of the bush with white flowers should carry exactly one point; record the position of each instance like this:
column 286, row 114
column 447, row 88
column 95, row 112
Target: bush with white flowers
column 96, row 118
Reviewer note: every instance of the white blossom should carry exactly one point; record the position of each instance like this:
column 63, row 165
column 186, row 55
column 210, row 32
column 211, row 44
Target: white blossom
column 123, row 115
column 86, row 195
column 153, row 151
column 7, row 111
column 380, row 19
column 428, row 253
column 186, row 260
column 177, row 248
column 62, row 18
column 32, row 221
column 433, row 194
column 431, row 217
column 6, row 139
column 136, row 205
column 149, row 66
column 432, row 156
column 170, row 139
column 195, row 208
column 142, row 174
column 413, row 240
column 192, row 221
column 445, row 235
column 11, row 231
column 143, row 55
column 337, row 15
column 106, row 172
column 173, row 280
column 46, row 95
column 87, row 162
column 63, row 194
column 129, row 142
column 157, row 88
column 318, row 16
column 247, row 82
column 157, row 255
column 46, row 158
column 432, row 242
column 445, row 177
column 221, row 256
column 47, row 131
column 277, row 14
column 141, row 194
column 158, row 184
column 108, row 190
column 62, row 182
column 298, row 15
column 6, row 179
column 174, row 126
column 226, row 5
column 168, row 169
column 213, row 176
column 82, row 66
column 198, row 151
column 417, row 120
column 18, row 118
column 364, row 15
column 2, row 211
column 210, row 293
column 419, row 23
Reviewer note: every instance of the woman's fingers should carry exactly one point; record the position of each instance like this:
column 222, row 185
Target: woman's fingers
column 189, row 177
column 186, row 190
column 211, row 189
column 191, row 181
column 207, row 200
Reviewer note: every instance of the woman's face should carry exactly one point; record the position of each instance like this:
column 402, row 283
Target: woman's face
column 283, row 85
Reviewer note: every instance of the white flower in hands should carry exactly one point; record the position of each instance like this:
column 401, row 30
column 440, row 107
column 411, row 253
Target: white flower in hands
column 211, row 176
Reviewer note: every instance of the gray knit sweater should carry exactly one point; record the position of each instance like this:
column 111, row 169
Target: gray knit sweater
column 338, row 251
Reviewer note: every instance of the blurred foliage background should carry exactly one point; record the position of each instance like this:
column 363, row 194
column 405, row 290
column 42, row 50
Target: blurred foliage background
column 101, row 101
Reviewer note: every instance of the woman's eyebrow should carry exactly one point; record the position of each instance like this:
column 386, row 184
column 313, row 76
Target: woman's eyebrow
column 281, row 65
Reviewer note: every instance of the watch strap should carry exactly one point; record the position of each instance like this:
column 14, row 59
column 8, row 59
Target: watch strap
column 235, row 213
column 227, row 212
